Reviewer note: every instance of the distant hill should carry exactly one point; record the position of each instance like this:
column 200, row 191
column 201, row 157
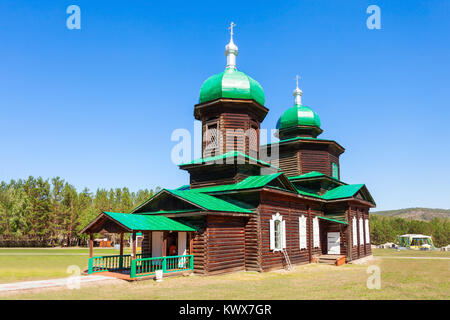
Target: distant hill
column 424, row 214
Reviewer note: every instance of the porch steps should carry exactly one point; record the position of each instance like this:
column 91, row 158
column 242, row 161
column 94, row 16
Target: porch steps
column 332, row 259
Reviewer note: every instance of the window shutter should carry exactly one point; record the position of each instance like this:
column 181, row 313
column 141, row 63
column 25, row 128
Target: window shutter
column 283, row 234
column 272, row 234
column 354, row 232
column 361, row 231
column 367, row 231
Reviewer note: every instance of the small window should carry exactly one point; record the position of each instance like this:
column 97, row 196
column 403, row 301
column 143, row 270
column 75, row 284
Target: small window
column 367, row 231
column 212, row 136
column 302, row 231
column 277, row 233
column 361, row 231
column 354, row 232
column 316, row 235
column 334, row 170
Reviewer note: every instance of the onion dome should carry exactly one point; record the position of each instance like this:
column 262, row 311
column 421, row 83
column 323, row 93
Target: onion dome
column 299, row 120
column 231, row 83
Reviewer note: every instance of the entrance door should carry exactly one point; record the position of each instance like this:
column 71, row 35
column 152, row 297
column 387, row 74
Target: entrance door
column 157, row 243
column 334, row 243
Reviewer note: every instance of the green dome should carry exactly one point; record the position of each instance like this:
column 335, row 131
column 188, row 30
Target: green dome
column 231, row 84
column 298, row 115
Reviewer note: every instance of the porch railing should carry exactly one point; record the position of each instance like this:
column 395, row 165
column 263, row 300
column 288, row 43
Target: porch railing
column 141, row 266
column 147, row 266
column 110, row 263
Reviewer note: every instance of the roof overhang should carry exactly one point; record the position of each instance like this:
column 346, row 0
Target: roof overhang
column 115, row 222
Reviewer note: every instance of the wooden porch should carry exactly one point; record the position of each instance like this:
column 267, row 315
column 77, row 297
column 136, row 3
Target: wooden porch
column 168, row 246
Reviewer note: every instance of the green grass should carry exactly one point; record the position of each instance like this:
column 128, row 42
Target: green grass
column 410, row 253
column 400, row 279
column 45, row 263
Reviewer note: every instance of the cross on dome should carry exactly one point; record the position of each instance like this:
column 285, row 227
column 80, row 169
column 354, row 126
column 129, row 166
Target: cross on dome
column 297, row 92
column 231, row 50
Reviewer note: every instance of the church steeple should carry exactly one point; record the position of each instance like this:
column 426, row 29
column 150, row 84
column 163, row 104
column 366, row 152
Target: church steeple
column 231, row 50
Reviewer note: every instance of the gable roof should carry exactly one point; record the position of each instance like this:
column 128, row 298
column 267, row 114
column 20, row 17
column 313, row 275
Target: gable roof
column 208, row 202
column 138, row 222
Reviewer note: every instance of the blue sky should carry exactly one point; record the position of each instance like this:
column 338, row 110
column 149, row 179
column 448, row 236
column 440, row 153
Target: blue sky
column 97, row 106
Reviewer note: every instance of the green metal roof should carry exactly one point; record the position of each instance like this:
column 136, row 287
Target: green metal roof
column 183, row 187
column 333, row 220
column 221, row 158
column 231, row 84
column 311, row 174
column 208, row 202
column 250, row 182
column 346, row 191
column 298, row 115
column 148, row 222
column 170, row 211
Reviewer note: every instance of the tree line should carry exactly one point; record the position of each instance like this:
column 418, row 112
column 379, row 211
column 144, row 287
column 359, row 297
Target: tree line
column 53, row 209
column 386, row 229
column 55, row 212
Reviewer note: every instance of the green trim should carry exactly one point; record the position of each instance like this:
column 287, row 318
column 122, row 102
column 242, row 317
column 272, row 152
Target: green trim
column 231, row 154
column 333, row 220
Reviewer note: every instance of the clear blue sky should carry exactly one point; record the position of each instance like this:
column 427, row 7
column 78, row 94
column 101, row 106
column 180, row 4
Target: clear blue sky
column 97, row 106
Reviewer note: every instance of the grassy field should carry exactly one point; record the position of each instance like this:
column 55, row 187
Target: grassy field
column 409, row 253
column 400, row 279
column 39, row 264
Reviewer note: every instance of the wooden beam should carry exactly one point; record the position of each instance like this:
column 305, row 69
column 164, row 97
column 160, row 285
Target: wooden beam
column 91, row 245
column 191, row 243
column 121, row 243
column 133, row 245
column 164, row 244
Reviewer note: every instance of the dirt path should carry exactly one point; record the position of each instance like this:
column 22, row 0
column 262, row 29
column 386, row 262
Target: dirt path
column 421, row 258
column 68, row 282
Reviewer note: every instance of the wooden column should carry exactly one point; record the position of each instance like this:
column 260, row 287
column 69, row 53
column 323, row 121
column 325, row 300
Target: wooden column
column 164, row 243
column 121, row 243
column 191, row 243
column 91, row 245
column 133, row 245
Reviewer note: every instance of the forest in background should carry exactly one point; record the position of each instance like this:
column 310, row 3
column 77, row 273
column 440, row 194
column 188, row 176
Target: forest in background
column 51, row 212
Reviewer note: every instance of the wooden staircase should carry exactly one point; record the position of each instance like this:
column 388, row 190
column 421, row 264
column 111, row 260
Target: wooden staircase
column 332, row 259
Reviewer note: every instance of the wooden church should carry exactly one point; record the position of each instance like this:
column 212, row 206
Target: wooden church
column 247, row 207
